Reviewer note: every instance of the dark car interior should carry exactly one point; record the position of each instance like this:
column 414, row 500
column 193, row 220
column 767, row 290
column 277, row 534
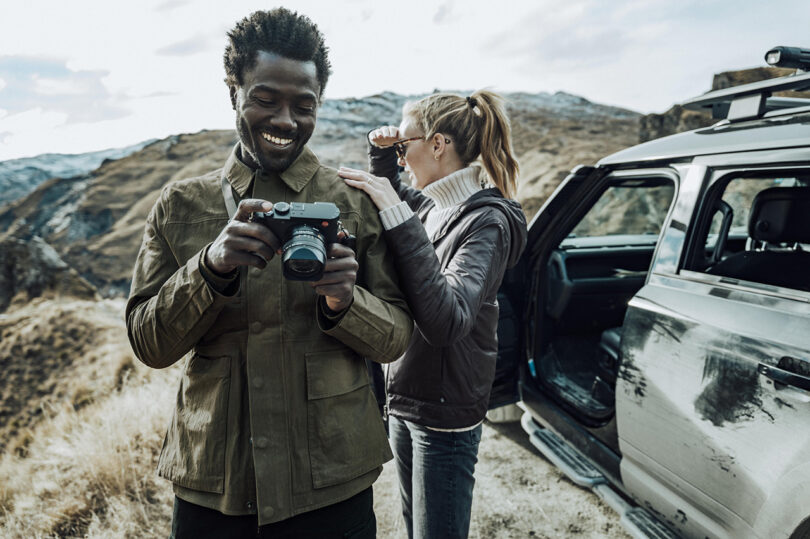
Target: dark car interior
column 588, row 280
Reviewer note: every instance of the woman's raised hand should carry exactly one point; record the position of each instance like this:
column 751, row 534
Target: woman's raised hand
column 385, row 136
column 379, row 189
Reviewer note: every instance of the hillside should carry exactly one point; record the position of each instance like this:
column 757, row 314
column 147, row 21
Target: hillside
column 95, row 221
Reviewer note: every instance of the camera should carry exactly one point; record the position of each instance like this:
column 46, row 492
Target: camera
column 306, row 229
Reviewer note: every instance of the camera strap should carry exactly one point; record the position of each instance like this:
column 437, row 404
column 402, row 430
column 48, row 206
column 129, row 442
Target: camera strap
column 227, row 194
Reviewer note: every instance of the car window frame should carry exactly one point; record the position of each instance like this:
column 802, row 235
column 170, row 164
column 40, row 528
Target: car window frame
column 580, row 207
column 616, row 178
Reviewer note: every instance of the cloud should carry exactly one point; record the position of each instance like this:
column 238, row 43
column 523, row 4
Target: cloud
column 171, row 4
column 151, row 95
column 443, row 13
column 48, row 84
column 186, row 47
column 577, row 36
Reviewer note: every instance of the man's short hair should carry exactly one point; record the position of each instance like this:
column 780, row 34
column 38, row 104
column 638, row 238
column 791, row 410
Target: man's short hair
column 279, row 31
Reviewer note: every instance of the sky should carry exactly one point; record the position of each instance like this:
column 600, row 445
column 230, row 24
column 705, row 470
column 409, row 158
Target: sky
column 87, row 75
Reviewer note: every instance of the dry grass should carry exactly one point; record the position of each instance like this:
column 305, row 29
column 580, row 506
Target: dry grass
column 83, row 426
column 57, row 351
column 91, row 472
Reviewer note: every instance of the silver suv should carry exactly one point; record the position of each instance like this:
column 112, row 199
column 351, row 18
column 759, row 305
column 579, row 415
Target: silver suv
column 657, row 330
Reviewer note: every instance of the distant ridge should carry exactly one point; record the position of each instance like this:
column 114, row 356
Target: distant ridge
column 18, row 177
column 94, row 221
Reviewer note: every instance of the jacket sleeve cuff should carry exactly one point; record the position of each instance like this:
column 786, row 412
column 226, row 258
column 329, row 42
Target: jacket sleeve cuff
column 365, row 329
column 395, row 215
column 327, row 318
column 225, row 285
column 383, row 162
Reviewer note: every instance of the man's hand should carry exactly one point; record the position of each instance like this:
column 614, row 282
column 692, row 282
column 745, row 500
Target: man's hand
column 243, row 243
column 384, row 136
column 339, row 276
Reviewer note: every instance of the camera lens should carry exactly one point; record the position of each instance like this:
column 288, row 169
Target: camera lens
column 304, row 255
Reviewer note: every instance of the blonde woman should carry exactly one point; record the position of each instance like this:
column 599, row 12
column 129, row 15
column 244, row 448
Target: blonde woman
column 454, row 232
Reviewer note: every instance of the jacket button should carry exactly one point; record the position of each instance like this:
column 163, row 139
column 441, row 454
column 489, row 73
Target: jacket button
column 258, row 383
column 256, row 327
column 441, row 399
column 250, row 505
column 261, row 442
column 267, row 512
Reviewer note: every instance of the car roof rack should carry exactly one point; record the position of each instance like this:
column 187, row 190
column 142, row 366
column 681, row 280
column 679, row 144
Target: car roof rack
column 753, row 100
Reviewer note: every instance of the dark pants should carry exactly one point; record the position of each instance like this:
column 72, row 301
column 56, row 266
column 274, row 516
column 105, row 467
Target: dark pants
column 353, row 519
column 435, row 478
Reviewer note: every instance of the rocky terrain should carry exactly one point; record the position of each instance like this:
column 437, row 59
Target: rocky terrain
column 18, row 177
column 81, row 422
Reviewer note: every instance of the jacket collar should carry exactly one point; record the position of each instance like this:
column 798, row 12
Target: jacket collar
column 297, row 176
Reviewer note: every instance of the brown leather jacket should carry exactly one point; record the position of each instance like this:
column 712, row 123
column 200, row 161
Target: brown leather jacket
column 450, row 282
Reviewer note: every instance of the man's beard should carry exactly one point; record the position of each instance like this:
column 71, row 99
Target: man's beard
column 256, row 158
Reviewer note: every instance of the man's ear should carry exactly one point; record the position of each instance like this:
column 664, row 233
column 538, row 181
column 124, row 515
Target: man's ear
column 232, row 91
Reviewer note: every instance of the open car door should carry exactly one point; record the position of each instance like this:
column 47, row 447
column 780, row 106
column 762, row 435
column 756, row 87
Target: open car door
column 517, row 296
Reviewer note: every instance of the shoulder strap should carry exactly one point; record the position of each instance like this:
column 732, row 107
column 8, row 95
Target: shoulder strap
column 227, row 194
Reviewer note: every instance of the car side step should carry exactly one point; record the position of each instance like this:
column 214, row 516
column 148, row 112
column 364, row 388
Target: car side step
column 578, row 470
column 640, row 523
column 637, row 521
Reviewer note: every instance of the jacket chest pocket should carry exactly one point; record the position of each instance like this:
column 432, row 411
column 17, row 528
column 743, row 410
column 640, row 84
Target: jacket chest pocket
column 344, row 429
column 187, row 239
column 193, row 452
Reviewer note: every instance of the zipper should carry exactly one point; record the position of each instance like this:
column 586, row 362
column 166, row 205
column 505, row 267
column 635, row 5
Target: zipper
column 385, row 406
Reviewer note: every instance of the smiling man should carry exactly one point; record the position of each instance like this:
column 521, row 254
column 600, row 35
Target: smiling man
column 275, row 431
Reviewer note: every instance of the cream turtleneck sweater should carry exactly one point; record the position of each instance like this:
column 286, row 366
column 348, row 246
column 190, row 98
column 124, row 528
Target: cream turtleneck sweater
column 447, row 194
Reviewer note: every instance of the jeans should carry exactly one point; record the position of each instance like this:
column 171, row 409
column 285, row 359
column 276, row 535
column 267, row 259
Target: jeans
column 436, row 480
column 350, row 519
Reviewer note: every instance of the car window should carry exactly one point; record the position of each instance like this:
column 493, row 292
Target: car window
column 778, row 256
column 740, row 193
column 631, row 208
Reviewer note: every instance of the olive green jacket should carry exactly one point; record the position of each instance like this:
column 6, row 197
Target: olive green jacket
column 274, row 414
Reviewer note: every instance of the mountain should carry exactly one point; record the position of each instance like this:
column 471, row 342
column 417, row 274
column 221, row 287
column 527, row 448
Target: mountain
column 18, row 177
column 95, row 221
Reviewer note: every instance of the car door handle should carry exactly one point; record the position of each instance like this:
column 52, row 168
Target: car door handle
column 784, row 377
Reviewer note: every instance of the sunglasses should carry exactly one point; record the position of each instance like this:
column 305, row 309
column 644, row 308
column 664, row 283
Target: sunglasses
column 399, row 146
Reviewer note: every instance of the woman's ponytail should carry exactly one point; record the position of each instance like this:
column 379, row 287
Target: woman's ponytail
column 495, row 143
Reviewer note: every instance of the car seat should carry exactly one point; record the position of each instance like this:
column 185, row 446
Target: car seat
column 779, row 215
